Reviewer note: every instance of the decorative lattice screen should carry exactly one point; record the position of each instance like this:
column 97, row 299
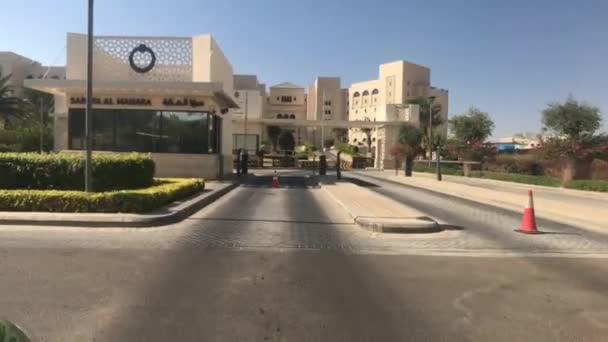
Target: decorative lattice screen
column 173, row 59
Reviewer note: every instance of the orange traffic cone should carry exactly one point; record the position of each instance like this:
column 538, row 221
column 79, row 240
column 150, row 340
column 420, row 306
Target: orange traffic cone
column 528, row 221
column 275, row 180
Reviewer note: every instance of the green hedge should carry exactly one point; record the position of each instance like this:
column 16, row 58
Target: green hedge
column 589, row 185
column 529, row 164
column 517, row 178
column 164, row 191
column 446, row 169
column 65, row 171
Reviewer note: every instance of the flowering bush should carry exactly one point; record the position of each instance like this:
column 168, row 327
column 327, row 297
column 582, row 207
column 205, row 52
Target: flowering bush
column 398, row 152
column 586, row 148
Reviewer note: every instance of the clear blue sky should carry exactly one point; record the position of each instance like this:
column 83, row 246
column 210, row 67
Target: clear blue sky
column 509, row 58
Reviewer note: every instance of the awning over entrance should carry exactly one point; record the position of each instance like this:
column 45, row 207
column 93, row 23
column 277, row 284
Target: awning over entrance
column 321, row 123
column 214, row 90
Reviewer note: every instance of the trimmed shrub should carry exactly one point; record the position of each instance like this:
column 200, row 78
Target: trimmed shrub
column 65, row 171
column 446, row 169
column 589, row 185
column 517, row 178
column 164, row 191
column 528, row 164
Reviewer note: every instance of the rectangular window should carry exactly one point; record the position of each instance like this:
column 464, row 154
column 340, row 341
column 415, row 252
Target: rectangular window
column 286, row 98
column 146, row 131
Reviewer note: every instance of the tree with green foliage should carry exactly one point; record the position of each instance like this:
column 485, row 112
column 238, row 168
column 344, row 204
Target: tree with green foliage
column 572, row 119
column 273, row 134
column 472, row 127
column 39, row 128
column 37, row 102
column 11, row 107
column 286, row 140
column 424, row 104
column 575, row 125
column 410, row 138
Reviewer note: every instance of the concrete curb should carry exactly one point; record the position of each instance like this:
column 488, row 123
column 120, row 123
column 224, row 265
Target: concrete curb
column 553, row 218
column 401, row 225
column 165, row 216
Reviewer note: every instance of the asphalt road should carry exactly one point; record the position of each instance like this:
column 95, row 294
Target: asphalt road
column 246, row 269
column 486, row 226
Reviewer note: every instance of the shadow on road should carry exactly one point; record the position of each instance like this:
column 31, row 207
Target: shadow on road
column 450, row 210
column 199, row 294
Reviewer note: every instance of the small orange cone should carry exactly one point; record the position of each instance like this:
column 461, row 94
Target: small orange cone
column 275, row 180
column 528, row 221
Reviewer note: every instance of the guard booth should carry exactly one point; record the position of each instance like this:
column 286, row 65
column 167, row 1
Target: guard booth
column 160, row 95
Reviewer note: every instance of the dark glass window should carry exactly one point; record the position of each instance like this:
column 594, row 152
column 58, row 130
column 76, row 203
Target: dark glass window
column 286, row 99
column 146, row 131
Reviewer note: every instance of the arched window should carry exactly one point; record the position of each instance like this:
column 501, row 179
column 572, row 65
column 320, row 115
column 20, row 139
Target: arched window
column 279, row 116
column 292, row 116
column 356, row 94
column 366, row 93
column 375, row 92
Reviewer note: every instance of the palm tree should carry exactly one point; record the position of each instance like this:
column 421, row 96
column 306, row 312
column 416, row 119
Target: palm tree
column 424, row 104
column 39, row 102
column 11, row 107
column 409, row 137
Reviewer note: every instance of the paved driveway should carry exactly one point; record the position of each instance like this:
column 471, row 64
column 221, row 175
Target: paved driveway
column 289, row 265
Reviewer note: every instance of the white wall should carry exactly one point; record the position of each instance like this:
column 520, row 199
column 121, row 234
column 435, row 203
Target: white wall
column 255, row 102
column 76, row 57
column 21, row 68
column 209, row 63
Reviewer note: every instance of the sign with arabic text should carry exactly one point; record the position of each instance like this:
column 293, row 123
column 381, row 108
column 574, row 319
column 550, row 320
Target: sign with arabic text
column 151, row 102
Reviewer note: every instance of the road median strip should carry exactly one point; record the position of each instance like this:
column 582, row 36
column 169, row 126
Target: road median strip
column 377, row 213
column 549, row 209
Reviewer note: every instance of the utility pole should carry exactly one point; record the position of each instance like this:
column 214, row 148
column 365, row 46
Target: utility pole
column 88, row 178
column 246, row 100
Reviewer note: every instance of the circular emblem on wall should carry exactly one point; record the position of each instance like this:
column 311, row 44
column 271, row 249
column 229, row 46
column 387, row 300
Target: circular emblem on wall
column 142, row 59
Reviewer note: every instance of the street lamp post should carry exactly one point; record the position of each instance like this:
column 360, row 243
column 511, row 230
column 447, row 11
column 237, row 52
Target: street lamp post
column 245, row 157
column 88, row 181
column 430, row 142
column 41, row 125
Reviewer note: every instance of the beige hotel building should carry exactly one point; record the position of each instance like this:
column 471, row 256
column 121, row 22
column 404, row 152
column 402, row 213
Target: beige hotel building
column 179, row 99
